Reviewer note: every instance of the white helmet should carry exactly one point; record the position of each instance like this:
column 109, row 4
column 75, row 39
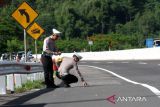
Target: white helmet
column 55, row 31
column 78, row 56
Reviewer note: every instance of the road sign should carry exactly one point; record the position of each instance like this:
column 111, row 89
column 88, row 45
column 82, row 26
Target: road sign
column 35, row 31
column 90, row 42
column 24, row 15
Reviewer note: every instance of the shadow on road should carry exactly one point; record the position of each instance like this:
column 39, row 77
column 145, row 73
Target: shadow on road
column 21, row 100
column 43, row 104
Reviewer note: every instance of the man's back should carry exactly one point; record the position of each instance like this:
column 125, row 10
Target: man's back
column 66, row 65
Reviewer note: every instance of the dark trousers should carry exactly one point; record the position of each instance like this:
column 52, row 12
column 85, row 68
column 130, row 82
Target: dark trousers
column 68, row 79
column 48, row 70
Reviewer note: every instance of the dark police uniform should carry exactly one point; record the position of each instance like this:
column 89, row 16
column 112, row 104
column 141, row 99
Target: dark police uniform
column 46, row 58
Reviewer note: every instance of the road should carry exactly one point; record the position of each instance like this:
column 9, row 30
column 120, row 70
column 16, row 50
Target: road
column 111, row 84
column 140, row 71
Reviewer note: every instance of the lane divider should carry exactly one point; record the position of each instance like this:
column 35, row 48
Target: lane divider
column 96, row 62
column 142, row 63
column 151, row 88
column 83, row 62
column 110, row 62
column 124, row 62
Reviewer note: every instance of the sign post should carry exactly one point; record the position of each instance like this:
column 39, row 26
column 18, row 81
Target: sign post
column 36, row 48
column 35, row 31
column 90, row 44
column 24, row 15
column 25, row 46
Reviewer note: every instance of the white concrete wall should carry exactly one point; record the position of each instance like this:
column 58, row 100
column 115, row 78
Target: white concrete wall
column 2, row 84
column 132, row 54
column 12, row 81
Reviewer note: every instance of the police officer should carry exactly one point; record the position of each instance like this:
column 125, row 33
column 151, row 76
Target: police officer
column 64, row 70
column 49, row 49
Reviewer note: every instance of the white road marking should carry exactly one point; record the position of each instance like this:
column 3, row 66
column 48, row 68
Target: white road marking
column 142, row 63
column 96, row 62
column 151, row 88
column 124, row 62
column 83, row 62
column 110, row 62
column 158, row 64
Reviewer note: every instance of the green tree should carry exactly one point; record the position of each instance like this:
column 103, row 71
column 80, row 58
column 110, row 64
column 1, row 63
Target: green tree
column 13, row 45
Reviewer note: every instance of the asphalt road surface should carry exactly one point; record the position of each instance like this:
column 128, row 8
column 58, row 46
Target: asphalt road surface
column 111, row 84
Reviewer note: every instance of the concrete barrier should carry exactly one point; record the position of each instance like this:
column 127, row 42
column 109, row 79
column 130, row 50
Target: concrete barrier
column 10, row 82
column 3, row 85
column 131, row 54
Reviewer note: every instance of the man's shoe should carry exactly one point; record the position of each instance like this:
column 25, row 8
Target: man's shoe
column 67, row 85
column 53, row 86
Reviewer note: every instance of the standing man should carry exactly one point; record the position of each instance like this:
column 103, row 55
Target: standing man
column 49, row 49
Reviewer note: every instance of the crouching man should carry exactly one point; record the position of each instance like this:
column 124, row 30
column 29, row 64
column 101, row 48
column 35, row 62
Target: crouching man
column 65, row 67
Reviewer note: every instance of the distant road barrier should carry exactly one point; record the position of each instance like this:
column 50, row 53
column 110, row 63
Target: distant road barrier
column 130, row 54
column 13, row 74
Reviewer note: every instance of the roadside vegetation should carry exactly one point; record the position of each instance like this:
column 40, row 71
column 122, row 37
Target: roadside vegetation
column 110, row 24
column 29, row 85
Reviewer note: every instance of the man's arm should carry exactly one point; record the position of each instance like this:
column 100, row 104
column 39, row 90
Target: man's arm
column 51, row 52
column 79, row 73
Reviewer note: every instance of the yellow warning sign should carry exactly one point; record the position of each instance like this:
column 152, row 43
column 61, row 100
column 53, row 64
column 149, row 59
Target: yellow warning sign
column 24, row 15
column 35, row 31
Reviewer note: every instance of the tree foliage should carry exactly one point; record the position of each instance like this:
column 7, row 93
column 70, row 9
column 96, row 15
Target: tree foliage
column 127, row 22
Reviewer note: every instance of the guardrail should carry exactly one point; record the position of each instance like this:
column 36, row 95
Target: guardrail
column 14, row 74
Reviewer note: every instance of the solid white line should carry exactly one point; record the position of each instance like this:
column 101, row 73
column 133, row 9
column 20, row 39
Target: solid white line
column 110, row 62
column 142, row 63
column 83, row 62
column 151, row 88
column 96, row 62
column 124, row 62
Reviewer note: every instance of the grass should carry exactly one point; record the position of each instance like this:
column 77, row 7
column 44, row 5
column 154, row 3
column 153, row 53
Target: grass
column 29, row 85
